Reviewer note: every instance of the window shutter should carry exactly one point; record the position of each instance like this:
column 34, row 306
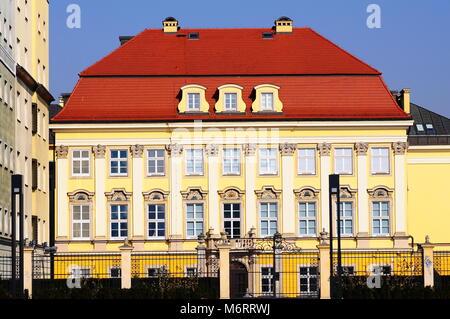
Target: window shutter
column 34, row 170
column 34, row 114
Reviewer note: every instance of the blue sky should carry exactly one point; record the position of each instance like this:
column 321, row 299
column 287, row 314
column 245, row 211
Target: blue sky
column 412, row 47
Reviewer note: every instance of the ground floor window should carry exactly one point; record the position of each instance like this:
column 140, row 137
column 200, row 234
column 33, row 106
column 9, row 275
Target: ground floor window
column 308, row 279
column 266, row 280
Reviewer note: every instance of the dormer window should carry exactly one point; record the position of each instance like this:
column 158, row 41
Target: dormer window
column 429, row 127
column 231, row 102
column 266, row 101
column 419, row 127
column 193, row 101
column 230, row 99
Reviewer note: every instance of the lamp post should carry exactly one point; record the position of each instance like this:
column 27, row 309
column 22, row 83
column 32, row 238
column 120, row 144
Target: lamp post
column 276, row 275
column 17, row 190
column 334, row 190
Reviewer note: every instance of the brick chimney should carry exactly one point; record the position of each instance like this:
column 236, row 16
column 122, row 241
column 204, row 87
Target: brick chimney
column 283, row 25
column 405, row 100
column 170, row 25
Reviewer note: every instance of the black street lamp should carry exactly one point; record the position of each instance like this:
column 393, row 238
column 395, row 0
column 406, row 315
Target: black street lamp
column 334, row 190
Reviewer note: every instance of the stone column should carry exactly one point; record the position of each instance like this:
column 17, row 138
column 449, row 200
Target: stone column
column 224, row 266
column 202, row 269
column 249, row 151
column 125, row 265
column 212, row 153
column 287, row 176
column 176, row 204
column 138, row 200
column 400, row 239
column 324, row 152
column 100, row 201
column 63, row 211
column 363, row 210
column 324, row 260
column 428, row 263
column 28, row 270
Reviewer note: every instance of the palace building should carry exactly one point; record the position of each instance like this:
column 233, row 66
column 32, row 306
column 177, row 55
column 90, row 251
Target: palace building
column 182, row 132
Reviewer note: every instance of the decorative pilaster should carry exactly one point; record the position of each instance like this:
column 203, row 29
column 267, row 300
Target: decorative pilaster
column 287, row 176
column 249, row 151
column 212, row 152
column 138, row 201
column 399, row 149
column 363, row 210
column 176, row 205
column 62, row 174
column 100, row 202
column 324, row 152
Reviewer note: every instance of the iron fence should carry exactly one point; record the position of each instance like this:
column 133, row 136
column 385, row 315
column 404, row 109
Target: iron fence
column 441, row 261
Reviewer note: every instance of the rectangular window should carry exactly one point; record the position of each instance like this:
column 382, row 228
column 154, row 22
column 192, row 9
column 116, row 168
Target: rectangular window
column 308, row 280
column 194, row 220
column 380, row 218
column 269, row 218
column 156, row 221
column 80, row 162
column 119, row 221
column 119, row 163
column 232, row 219
column 266, row 101
column 267, row 280
column 191, row 272
column 306, row 161
column 384, row 270
column 231, row 161
column 81, row 222
column 154, row 272
column 77, row 272
column 307, row 214
column 380, row 160
column 194, row 162
column 343, row 161
column 193, row 101
column 114, row 272
column 156, row 159
column 268, row 161
column 346, row 218
column 230, row 102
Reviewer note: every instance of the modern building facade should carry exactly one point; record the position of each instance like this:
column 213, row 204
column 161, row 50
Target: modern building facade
column 182, row 132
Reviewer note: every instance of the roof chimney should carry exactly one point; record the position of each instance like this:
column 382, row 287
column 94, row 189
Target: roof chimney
column 63, row 99
column 405, row 100
column 283, row 25
column 125, row 39
column 170, row 25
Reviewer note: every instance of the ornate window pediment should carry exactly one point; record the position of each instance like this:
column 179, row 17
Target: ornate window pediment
column 267, row 99
column 81, row 196
column 306, row 193
column 380, row 192
column 268, row 192
column 193, row 99
column 118, row 195
column 155, row 195
column 230, row 99
column 347, row 192
column 231, row 193
column 194, row 193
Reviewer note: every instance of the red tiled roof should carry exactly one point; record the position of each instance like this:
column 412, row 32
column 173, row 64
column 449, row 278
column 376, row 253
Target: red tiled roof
column 228, row 52
column 156, row 99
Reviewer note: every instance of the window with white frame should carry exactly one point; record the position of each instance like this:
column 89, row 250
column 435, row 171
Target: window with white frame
column 194, row 161
column 119, row 221
column 346, row 218
column 156, row 221
column 308, row 280
column 232, row 219
column 80, row 162
column 269, row 218
column 194, row 219
column 384, row 270
column 306, row 161
column 380, row 218
column 343, row 158
column 193, row 101
column 231, row 161
column 267, row 102
column 156, row 161
column 230, row 101
column 81, row 221
column 78, row 272
column 267, row 280
column 268, row 161
column 380, row 160
column 191, row 272
column 119, row 163
column 308, row 220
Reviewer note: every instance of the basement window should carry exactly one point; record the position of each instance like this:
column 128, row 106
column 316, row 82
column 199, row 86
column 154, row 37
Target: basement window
column 194, row 36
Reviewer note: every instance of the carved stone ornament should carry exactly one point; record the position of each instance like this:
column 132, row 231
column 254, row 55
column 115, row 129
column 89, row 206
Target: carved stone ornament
column 268, row 192
column 212, row 150
column 380, row 192
column 347, row 192
column 137, row 151
column 231, row 193
column 155, row 195
column 399, row 148
column 249, row 149
column 324, row 149
column 80, row 195
column 361, row 148
column 99, row 151
column 174, row 149
column 306, row 193
column 287, row 149
column 118, row 195
column 61, row 151
column 194, row 193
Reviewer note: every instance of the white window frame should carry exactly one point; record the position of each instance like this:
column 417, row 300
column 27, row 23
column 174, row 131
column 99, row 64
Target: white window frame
column 308, row 276
column 232, row 220
column 345, row 218
column 195, row 155
column 81, row 221
column 156, row 159
column 119, row 221
column 230, row 101
column 269, row 156
column 231, row 156
column 380, row 218
column 81, row 160
column 193, row 101
column 308, row 159
column 156, row 220
column 195, row 220
column 269, row 277
column 343, row 160
column 268, row 219
column 308, row 219
column 119, row 161
column 373, row 266
column 266, row 103
column 378, row 167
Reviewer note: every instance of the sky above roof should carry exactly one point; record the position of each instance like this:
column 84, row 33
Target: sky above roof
column 411, row 48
